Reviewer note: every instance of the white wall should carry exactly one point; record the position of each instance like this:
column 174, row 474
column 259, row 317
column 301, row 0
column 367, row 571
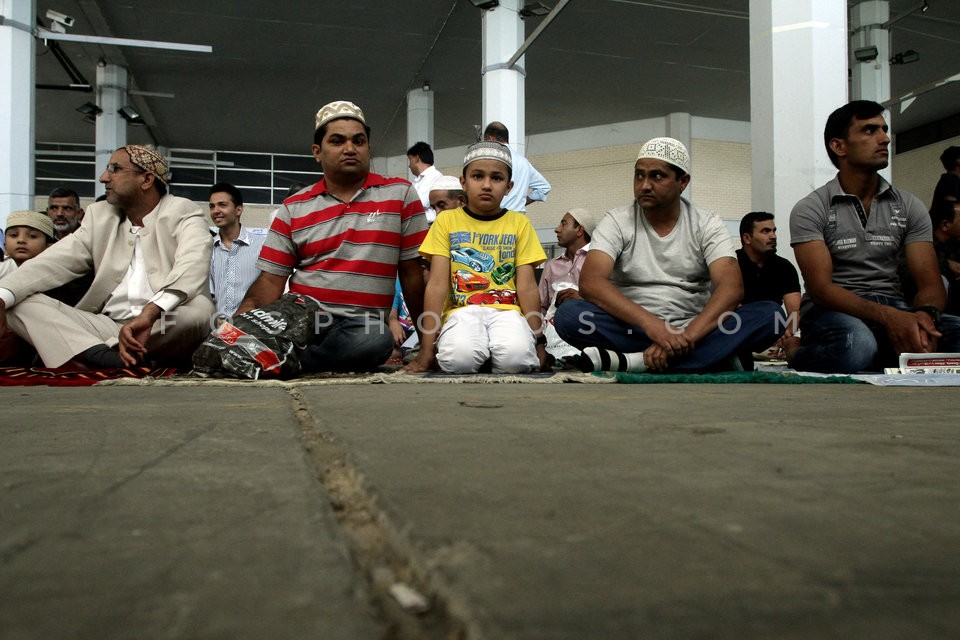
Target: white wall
column 918, row 170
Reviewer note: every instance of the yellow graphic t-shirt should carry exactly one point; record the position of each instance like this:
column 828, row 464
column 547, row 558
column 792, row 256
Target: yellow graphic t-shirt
column 484, row 255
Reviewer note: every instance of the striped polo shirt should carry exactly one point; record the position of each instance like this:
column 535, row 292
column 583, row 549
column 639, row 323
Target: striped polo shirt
column 345, row 254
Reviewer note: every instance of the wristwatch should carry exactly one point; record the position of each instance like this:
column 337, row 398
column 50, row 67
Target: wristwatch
column 933, row 312
column 541, row 339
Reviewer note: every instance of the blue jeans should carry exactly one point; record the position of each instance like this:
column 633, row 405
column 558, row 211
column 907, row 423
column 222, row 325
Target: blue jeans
column 835, row 342
column 583, row 324
column 347, row 344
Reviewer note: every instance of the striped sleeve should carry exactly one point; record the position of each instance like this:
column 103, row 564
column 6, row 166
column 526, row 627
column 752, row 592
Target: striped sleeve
column 413, row 225
column 279, row 254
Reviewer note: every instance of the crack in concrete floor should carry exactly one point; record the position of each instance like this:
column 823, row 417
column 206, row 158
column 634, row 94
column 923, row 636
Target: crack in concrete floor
column 383, row 555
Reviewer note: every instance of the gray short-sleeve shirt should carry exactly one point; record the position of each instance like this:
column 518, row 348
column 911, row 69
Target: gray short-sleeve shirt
column 864, row 256
column 668, row 276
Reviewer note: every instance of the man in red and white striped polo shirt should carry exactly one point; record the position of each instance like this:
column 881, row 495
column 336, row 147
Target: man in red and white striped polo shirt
column 343, row 242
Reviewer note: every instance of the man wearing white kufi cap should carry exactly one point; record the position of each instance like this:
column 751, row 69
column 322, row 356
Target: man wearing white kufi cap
column 446, row 193
column 558, row 282
column 660, row 283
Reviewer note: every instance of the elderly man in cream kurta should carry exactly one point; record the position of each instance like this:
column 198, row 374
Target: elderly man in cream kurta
column 150, row 254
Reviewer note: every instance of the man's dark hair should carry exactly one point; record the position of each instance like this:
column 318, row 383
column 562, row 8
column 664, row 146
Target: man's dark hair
column 677, row 171
column 838, row 124
column 942, row 211
column 950, row 157
column 322, row 131
column 747, row 222
column 496, row 131
column 226, row 187
column 63, row 192
column 423, row 151
column 295, row 188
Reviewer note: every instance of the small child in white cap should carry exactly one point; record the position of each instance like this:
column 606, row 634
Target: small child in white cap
column 482, row 302
column 28, row 234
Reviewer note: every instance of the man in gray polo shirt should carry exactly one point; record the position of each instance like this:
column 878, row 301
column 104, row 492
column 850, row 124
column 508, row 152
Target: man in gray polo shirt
column 846, row 236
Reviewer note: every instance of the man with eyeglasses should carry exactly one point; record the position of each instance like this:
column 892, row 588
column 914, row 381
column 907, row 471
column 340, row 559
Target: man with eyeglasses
column 63, row 208
column 149, row 253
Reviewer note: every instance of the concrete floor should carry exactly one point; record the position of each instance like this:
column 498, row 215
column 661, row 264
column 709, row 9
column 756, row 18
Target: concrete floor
column 518, row 511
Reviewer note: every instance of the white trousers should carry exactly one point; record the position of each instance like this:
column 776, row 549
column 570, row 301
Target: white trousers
column 474, row 334
column 59, row 332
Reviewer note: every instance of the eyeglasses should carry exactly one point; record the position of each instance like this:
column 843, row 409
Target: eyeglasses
column 113, row 167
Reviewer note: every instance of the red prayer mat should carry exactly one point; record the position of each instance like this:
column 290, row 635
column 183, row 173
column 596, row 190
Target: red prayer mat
column 68, row 377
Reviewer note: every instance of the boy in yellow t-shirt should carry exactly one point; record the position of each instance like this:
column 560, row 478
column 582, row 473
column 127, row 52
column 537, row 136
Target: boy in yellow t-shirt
column 481, row 301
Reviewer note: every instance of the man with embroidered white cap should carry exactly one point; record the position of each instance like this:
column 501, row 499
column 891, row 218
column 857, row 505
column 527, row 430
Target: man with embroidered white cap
column 661, row 283
column 149, row 253
column 446, row 193
column 343, row 242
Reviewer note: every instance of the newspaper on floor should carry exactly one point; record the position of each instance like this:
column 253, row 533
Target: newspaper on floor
column 926, row 363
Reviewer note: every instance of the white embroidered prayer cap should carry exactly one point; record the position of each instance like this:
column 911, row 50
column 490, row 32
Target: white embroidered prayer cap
column 337, row 110
column 669, row 150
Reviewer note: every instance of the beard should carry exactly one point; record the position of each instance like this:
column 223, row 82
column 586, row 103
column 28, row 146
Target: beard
column 65, row 226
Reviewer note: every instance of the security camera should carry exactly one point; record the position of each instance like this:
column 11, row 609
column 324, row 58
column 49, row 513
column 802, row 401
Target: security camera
column 59, row 20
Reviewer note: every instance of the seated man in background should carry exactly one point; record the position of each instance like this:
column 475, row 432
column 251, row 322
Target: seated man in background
column 233, row 267
column 447, row 193
column 560, row 278
column 948, row 186
column 149, row 253
column 767, row 276
column 945, row 216
column 63, row 207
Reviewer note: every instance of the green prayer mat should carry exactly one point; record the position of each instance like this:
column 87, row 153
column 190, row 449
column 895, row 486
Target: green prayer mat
column 729, row 377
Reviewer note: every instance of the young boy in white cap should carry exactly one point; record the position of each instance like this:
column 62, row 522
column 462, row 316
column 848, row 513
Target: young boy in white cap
column 28, row 234
column 482, row 287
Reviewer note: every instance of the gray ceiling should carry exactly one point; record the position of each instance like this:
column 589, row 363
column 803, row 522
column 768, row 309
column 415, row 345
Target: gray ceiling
column 274, row 63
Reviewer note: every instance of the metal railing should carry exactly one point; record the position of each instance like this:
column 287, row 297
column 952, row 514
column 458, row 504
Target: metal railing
column 263, row 178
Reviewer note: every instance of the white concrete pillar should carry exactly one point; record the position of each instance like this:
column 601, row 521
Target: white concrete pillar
column 111, row 127
column 870, row 78
column 419, row 118
column 798, row 76
column 17, row 100
column 680, row 127
column 503, row 88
